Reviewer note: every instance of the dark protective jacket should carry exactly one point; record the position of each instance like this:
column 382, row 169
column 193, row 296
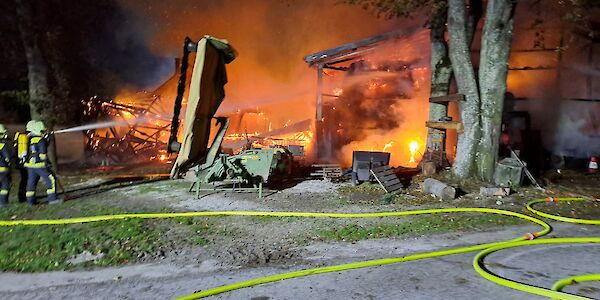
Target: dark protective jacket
column 38, row 152
column 5, row 155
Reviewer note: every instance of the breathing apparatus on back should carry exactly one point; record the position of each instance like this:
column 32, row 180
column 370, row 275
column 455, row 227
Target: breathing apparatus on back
column 26, row 142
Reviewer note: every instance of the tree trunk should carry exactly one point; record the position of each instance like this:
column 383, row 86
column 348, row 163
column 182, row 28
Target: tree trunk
column 460, row 56
column 40, row 99
column 441, row 73
column 493, row 67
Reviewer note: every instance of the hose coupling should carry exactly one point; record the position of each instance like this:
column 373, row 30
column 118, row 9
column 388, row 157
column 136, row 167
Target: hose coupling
column 531, row 236
column 550, row 199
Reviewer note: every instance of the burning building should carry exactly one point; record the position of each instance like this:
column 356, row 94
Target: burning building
column 372, row 94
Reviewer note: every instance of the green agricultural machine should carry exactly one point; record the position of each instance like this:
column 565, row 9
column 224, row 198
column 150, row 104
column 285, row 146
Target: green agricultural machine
column 246, row 171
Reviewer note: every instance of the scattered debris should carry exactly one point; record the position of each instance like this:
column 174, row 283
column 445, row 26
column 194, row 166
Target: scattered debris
column 494, row 191
column 85, row 256
column 327, row 171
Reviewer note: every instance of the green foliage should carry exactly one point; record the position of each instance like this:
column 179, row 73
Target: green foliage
column 391, row 9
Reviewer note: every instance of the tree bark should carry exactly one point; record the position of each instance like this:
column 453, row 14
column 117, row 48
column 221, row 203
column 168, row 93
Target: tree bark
column 40, row 98
column 441, row 73
column 460, row 56
column 493, row 68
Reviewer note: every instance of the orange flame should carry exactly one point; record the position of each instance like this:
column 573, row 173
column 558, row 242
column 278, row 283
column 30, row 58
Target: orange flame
column 413, row 146
column 388, row 145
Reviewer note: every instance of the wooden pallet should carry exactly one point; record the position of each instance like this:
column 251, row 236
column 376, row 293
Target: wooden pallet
column 327, row 171
column 387, row 179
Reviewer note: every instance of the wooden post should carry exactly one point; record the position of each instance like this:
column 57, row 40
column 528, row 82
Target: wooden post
column 319, row 113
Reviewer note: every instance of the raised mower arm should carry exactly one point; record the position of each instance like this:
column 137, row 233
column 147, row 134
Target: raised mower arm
column 188, row 46
column 206, row 92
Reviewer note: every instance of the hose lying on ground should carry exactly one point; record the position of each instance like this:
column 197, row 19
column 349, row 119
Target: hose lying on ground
column 478, row 262
column 556, row 288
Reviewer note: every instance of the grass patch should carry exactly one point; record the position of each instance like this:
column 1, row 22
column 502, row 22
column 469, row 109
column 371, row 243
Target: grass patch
column 429, row 224
column 573, row 209
column 162, row 186
column 201, row 232
column 369, row 188
column 49, row 247
column 45, row 248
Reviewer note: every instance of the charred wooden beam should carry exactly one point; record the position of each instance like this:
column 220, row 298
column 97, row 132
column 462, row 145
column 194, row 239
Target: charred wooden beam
column 331, row 54
column 335, row 68
column 447, row 98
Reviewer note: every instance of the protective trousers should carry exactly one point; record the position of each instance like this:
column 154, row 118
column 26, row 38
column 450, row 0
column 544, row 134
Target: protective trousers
column 4, row 187
column 22, row 184
column 33, row 176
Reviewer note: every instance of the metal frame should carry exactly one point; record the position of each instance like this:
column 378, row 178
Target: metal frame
column 196, row 186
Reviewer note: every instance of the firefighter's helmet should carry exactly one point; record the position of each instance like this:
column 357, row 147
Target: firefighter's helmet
column 36, row 127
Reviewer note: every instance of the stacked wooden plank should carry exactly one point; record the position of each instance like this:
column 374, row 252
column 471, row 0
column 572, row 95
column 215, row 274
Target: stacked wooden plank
column 387, row 178
column 441, row 124
column 327, row 171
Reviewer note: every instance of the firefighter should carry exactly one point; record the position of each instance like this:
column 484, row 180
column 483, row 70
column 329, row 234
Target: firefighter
column 5, row 159
column 21, row 140
column 37, row 163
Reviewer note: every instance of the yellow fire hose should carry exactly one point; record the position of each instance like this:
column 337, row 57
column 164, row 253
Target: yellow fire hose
column 558, row 286
column 555, row 293
column 560, row 218
column 478, row 262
